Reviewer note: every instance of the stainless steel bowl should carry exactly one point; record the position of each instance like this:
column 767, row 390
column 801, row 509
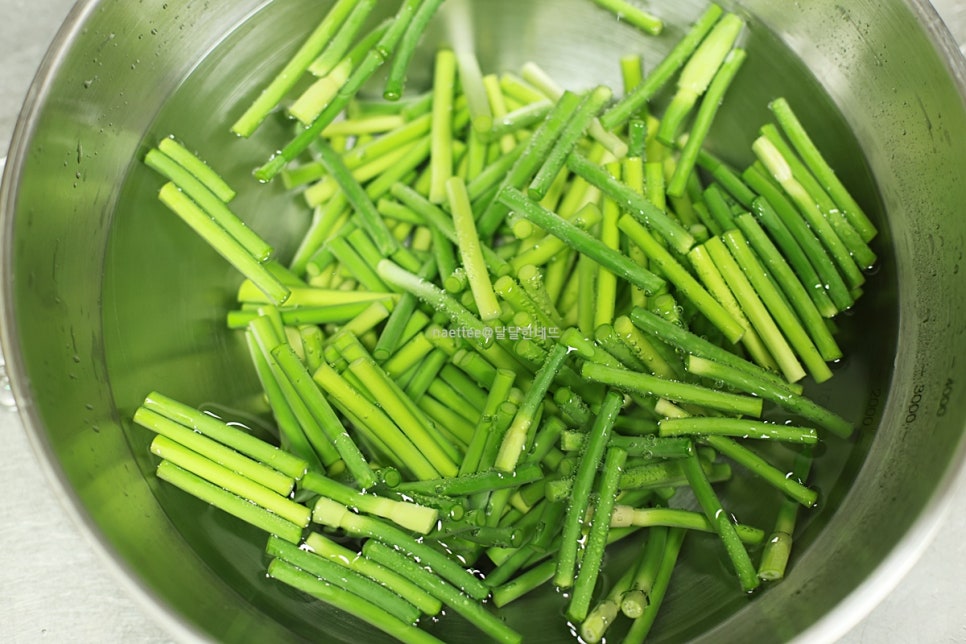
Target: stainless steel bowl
column 96, row 310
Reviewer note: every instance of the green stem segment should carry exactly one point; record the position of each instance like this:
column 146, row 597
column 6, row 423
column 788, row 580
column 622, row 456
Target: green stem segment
column 722, row 522
column 590, row 459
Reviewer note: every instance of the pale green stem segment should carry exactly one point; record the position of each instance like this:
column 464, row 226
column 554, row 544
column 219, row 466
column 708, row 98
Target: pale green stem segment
column 223, row 243
column 229, row 481
column 627, row 12
column 220, row 454
column 373, row 60
column 470, row 250
column 702, row 121
column 625, row 516
column 682, row 279
column 230, row 503
column 469, row 326
column 698, row 74
column 441, row 151
column 227, row 434
column 293, row 70
column 197, row 167
column 407, row 515
column 518, row 435
column 762, row 321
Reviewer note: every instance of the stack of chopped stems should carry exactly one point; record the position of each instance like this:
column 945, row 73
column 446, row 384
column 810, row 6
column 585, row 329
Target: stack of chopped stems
column 525, row 322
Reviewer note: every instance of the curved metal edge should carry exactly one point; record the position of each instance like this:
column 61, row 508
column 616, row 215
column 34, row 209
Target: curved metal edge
column 148, row 602
column 893, row 569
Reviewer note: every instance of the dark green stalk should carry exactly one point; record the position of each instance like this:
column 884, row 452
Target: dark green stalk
column 357, row 607
column 768, row 472
column 464, row 605
column 325, row 547
column 593, row 553
column 535, row 153
column 727, row 177
column 413, row 33
column 632, row 103
column 667, row 474
column 817, row 164
column 632, row 202
column 777, row 305
column 864, row 256
column 362, row 205
column 778, row 207
column 583, row 116
column 642, row 625
column 683, row 280
column 580, row 241
column 772, row 159
column 335, row 515
column 703, row 120
column 722, row 522
column 736, row 428
column 682, row 392
column 350, row 581
column 590, row 459
column 793, row 288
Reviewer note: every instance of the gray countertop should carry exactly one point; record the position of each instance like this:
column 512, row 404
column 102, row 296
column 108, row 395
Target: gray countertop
column 57, row 589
